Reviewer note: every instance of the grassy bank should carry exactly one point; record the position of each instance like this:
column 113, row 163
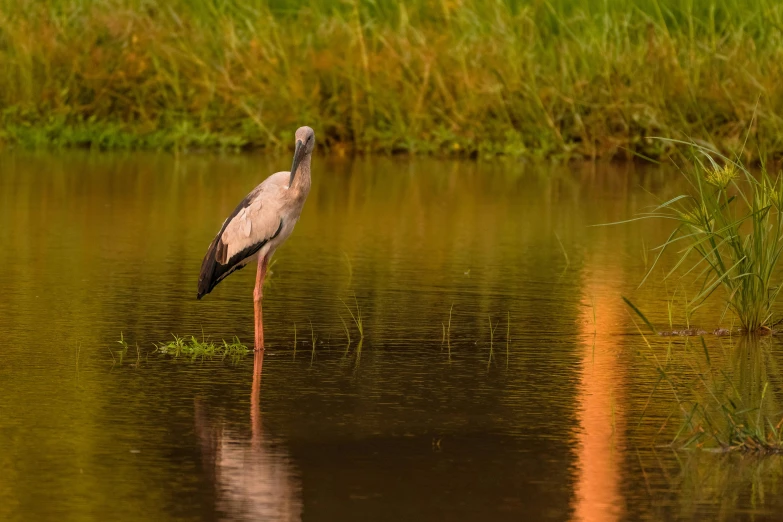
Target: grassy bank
column 558, row 78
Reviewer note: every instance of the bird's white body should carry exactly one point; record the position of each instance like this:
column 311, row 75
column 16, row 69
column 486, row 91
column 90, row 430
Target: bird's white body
column 271, row 203
column 259, row 224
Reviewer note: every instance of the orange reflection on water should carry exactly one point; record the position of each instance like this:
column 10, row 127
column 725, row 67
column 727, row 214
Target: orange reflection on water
column 601, row 423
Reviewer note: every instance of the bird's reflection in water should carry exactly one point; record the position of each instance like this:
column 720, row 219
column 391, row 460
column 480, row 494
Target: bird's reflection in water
column 254, row 478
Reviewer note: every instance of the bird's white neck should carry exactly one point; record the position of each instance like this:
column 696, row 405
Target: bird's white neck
column 300, row 180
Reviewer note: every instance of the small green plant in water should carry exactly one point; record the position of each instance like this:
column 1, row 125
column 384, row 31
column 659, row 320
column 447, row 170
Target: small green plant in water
column 730, row 230
column 357, row 317
column 122, row 352
column 195, row 349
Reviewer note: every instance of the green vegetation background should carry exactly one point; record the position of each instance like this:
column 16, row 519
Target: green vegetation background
column 536, row 78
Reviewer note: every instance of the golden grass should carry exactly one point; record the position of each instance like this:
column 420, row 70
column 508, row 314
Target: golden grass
column 563, row 79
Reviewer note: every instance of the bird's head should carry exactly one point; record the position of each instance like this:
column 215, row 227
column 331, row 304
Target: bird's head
column 305, row 143
column 305, row 136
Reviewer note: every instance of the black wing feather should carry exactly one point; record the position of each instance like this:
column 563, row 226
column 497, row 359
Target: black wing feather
column 212, row 270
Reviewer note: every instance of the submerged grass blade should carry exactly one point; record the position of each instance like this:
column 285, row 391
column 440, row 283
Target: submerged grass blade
column 357, row 318
column 640, row 314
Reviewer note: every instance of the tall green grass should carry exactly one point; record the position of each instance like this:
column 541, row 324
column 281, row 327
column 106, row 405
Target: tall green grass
column 729, row 233
column 557, row 78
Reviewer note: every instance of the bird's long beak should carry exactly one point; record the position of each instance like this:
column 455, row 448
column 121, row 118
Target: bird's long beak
column 298, row 155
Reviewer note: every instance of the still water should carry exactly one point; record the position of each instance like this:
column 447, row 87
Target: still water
column 500, row 376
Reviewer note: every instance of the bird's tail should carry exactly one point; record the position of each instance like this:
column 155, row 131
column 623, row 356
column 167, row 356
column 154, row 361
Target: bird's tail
column 206, row 278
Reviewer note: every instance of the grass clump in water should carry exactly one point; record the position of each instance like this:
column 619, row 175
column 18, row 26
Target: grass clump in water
column 195, row 349
column 729, row 229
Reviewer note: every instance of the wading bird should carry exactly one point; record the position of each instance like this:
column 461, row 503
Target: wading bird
column 260, row 223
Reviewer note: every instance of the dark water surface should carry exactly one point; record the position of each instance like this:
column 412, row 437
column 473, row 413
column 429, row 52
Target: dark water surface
column 540, row 418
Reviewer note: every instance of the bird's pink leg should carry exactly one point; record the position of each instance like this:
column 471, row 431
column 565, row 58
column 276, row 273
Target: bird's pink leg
column 255, row 401
column 258, row 296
